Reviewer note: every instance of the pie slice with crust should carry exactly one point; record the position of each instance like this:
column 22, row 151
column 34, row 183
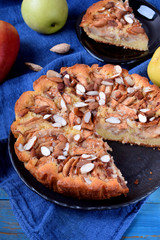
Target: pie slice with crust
column 60, row 127
column 113, row 22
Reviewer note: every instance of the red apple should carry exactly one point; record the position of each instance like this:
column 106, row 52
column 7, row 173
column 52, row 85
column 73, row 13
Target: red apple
column 9, row 47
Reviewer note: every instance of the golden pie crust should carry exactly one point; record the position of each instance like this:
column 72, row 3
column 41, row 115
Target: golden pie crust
column 113, row 22
column 60, row 127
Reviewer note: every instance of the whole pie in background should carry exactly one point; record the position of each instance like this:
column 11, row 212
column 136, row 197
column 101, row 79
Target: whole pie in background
column 61, row 126
column 113, row 22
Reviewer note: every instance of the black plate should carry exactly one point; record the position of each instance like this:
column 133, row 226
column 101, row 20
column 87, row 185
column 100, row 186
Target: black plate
column 134, row 162
column 148, row 15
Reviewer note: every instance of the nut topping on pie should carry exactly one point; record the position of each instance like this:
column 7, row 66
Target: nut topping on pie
column 59, row 131
column 113, row 22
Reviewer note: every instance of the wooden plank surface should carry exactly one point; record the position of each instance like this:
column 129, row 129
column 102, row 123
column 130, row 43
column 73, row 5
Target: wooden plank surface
column 146, row 225
column 9, row 227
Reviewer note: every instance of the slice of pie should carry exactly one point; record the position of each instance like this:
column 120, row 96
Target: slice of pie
column 60, row 125
column 113, row 22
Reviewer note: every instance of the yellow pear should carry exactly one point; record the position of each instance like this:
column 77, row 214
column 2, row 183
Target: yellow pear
column 153, row 69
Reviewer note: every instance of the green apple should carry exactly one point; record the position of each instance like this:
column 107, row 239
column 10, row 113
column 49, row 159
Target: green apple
column 45, row 16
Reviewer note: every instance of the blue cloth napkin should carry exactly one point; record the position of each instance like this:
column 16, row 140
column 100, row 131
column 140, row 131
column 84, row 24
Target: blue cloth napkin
column 41, row 219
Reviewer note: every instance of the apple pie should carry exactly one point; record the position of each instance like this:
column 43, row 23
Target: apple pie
column 113, row 22
column 61, row 125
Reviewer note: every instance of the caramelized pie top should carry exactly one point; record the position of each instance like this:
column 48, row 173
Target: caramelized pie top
column 57, row 124
column 113, row 22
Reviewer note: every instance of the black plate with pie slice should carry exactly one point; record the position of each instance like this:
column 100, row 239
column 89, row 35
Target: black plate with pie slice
column 148, row 15
column 140, row 164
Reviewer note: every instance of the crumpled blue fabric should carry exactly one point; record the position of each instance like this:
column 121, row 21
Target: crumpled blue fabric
column 39, row 218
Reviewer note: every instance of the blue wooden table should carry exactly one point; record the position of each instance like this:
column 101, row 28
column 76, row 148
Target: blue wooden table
column 146, row 225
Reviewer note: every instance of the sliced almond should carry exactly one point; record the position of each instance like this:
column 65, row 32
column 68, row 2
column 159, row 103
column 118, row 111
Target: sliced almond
column 144, row 110
column 102, row 9
column 59, row 119
column 51, row 148
column 137, row 87
column 66, row 147
column 45, row 151
column 79, row 92
column 87, row 168
column 130, row 90
column 63, row 105
column 119, row 80
column 87, row 180
column 105, row 158
column 86, row 155
column 61, row 48
column 147, row 89
column 114, row 175
column 78, row 120
column 46, row 116
column 92, row 93
column 57, row 125
column 77, row 127
column 80, row 89
column 102, row 95
column 89, row 100
column 101, row 102
column 80, row 104
column 66, row 76
column 61, row 157
column 142, row 118
column 65, row 153
column 33, row 66
column 52, row 73
column 107, row 83
column 93, row 157
column 113, row 120
column 151, row 119
column 89, row 157
column 77, row 137
column 87, row 117
column 129, row 80
column 30, row 143
column 120, row 6
column 118, row 69
column 20, row 147
column 97, row 98
column 128, row 18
